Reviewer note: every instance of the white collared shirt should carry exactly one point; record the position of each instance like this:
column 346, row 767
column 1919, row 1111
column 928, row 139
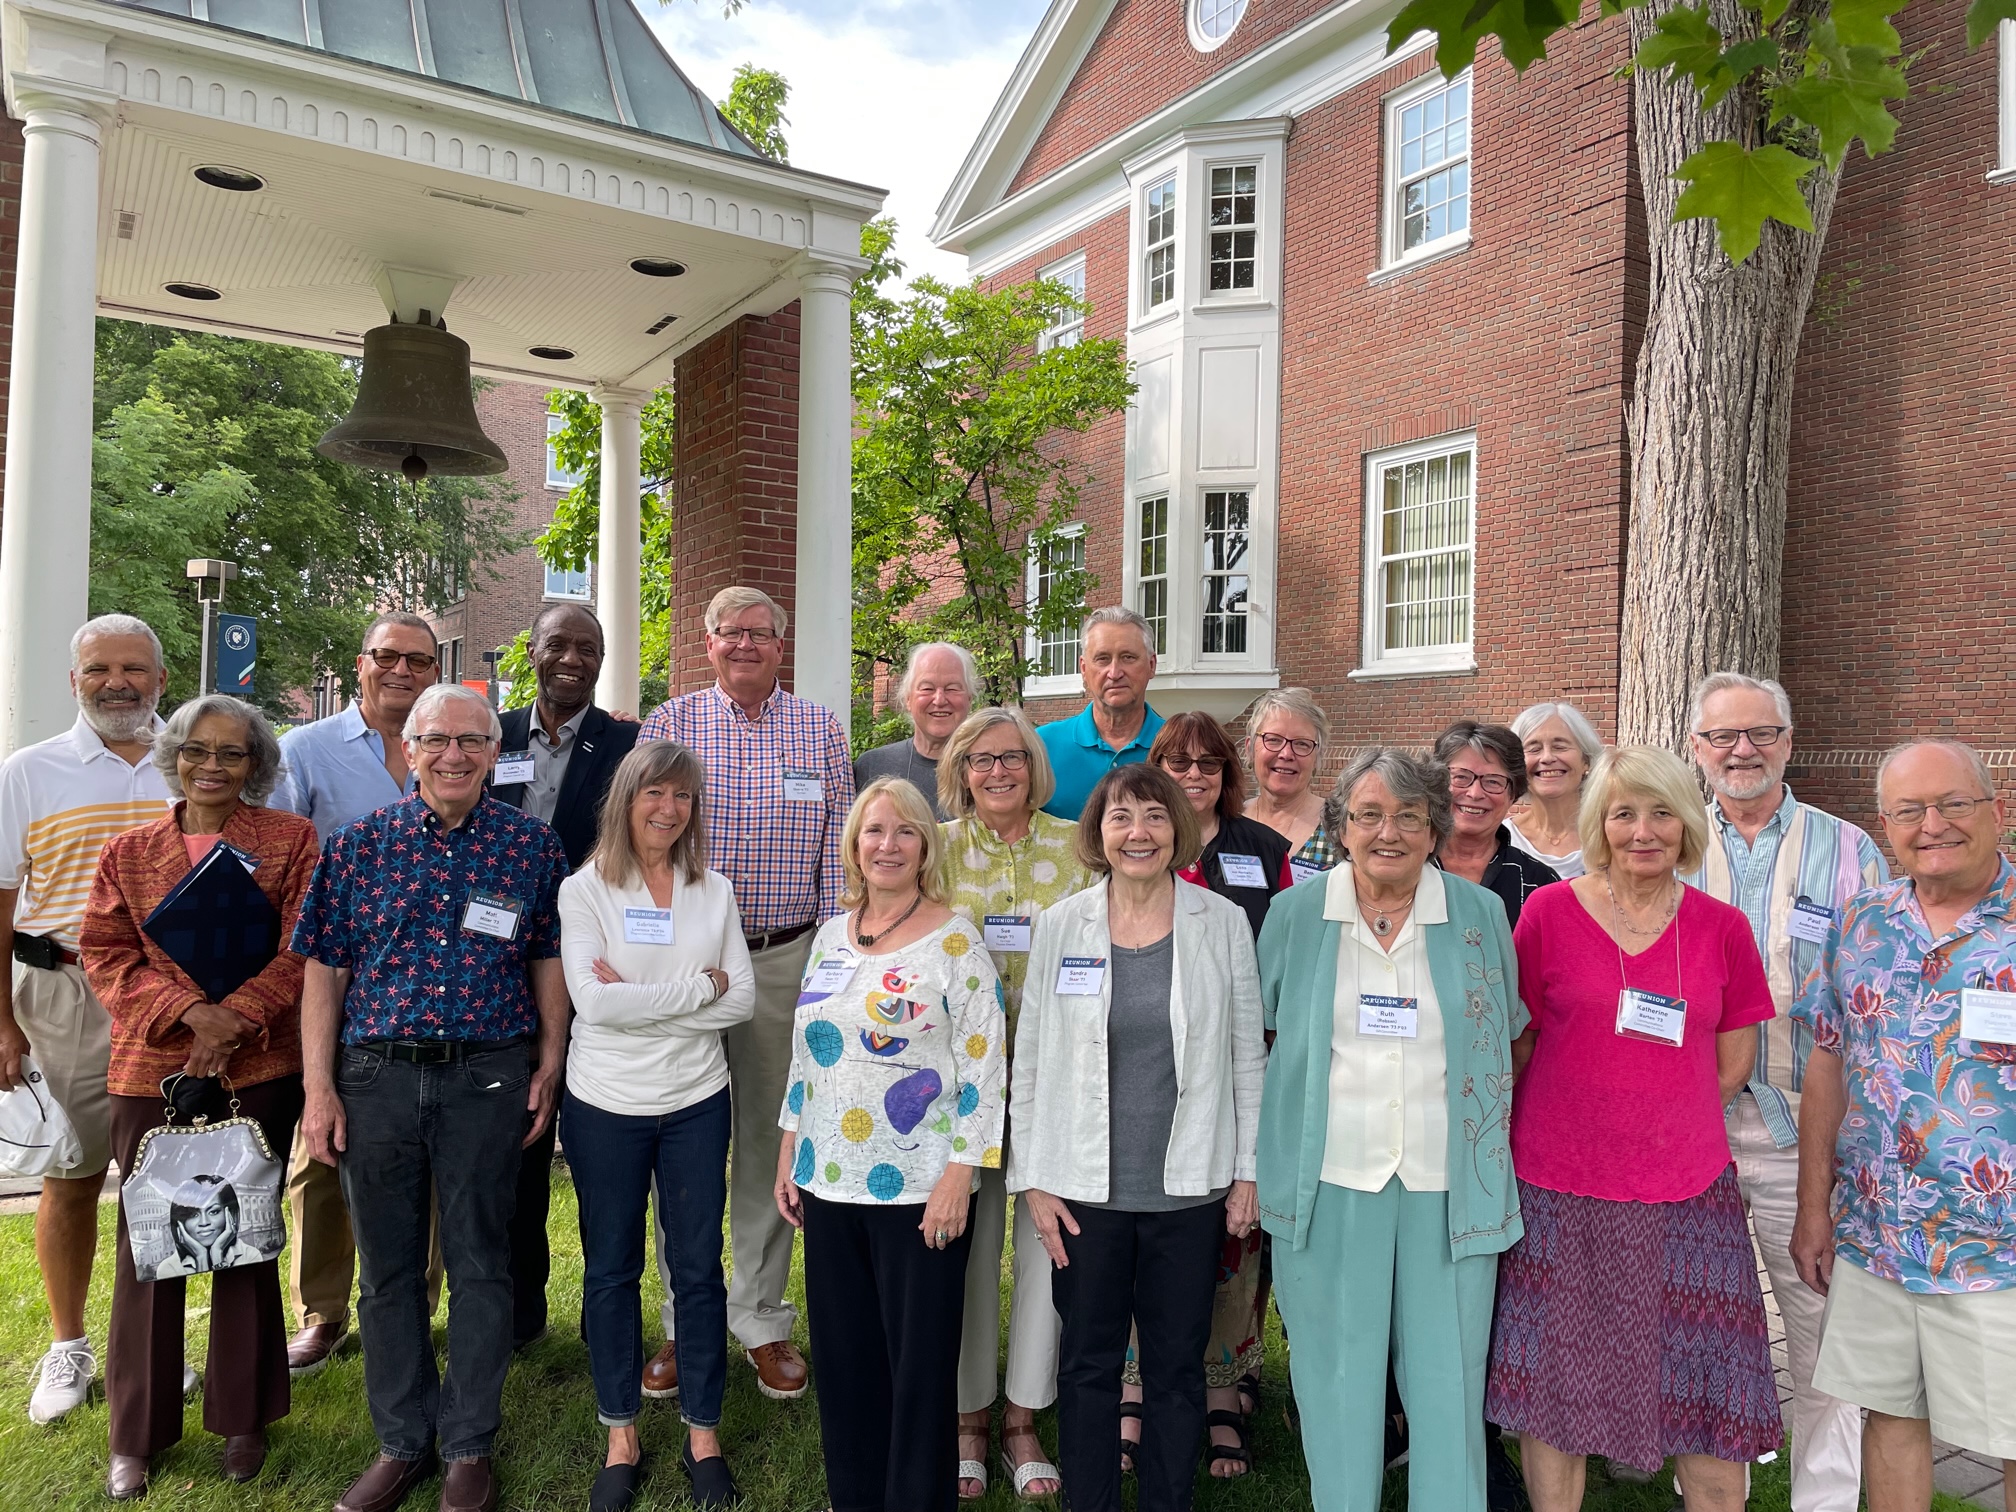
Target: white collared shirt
column 1389, row 1100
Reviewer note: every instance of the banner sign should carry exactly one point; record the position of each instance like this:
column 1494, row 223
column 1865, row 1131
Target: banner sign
column 237, row 653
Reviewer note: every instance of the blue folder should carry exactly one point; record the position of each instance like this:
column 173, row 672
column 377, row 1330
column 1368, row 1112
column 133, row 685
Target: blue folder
column 216, row 924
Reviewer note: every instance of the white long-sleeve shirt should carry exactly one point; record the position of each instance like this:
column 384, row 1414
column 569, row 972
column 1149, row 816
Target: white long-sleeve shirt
column 651, row 1044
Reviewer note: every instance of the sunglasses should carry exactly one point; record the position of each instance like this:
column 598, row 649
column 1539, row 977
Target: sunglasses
column 416, row 661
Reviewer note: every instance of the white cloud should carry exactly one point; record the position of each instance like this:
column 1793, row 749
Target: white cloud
column 882, row 93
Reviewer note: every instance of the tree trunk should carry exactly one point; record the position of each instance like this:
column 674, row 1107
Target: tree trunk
column 1710, row 417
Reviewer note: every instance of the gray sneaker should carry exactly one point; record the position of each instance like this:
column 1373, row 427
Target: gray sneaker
column 63, row 1382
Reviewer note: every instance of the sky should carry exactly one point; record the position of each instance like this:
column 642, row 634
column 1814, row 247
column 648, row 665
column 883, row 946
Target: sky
column 883, row 92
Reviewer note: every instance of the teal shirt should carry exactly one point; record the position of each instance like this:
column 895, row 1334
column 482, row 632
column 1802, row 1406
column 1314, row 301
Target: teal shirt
column 1080, row 756
column 1472, row 963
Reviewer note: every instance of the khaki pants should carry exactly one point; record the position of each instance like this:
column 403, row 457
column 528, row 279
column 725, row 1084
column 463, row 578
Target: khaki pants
column 1032, row 1317
column 70, row 1036
column 323, row 1257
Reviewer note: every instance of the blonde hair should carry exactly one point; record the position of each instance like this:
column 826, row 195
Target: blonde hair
column 734, row 600
column 954, row 797
column 1648, row 772
column 650, row 764
column 913, row 810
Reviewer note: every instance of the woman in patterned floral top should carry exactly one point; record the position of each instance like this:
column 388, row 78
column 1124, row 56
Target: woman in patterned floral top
column 896, row 1100
column 1005, row 862
column 1287, row 734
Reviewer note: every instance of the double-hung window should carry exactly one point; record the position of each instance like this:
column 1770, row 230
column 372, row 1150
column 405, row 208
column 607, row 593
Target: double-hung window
column 1235, row 220
column 1069, row 325
column 1428, row 167
column 1421, row 518
column 1055, row 651
column 1227, row 536
column 556, row 475
column 1158, row 243
column 1153, row 577
column 565, row 583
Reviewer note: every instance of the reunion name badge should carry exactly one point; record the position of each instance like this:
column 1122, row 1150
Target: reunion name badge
column 1810, row 921
column 647, row 926
column 1988, row 1016
column 1384, row 1017
column 489, row 914
column 1081, row 976
column 513, row 767
column 1651, row 1016
column 1007, row 931
column 803, row 787
column 831, row 974
column 1242, row 871
column 1302, row 871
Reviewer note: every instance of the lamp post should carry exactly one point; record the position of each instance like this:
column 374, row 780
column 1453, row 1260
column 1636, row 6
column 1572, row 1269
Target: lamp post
column 209, row 575
column 490, row 660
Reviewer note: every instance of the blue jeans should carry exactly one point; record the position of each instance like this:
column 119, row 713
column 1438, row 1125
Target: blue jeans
column 613, row 1157
column 418, row 1135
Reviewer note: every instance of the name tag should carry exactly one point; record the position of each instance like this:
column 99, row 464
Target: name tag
column 1242, row 871
column 1007, row 931
column 488, row 914
column 803, row 787
column 1811, row 922
column 244, row 858
column 513, row 767
column 1389, row 1017
column 1651, row 1016
column 1302, row 871
column 1081, row 976
column 647, row 926
column 831, row 974
column 1988, row 1016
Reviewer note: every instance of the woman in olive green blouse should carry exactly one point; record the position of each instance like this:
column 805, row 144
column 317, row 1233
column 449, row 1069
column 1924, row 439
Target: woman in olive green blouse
column 1005, row 862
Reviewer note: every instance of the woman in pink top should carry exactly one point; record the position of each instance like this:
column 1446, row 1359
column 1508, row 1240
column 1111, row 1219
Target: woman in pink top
column 1629, row 1322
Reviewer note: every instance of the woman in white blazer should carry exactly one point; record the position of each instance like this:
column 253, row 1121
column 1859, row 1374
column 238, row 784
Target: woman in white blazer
column 657, row 967
column 1135, row 1106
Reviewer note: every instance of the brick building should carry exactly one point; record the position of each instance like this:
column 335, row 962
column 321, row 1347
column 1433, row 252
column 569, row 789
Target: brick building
column 1385, row 327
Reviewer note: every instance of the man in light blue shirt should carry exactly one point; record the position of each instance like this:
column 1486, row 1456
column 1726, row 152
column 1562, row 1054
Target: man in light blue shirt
column 1116, row 727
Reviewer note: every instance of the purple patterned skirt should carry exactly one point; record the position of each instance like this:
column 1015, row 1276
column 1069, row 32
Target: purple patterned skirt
column 1634, row 1330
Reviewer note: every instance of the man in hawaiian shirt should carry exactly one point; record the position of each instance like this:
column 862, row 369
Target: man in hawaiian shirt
column 1907, row 1133
column 432, row 935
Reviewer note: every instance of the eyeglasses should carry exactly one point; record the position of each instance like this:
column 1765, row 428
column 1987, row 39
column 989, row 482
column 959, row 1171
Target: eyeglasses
column 224, row 756
column 736, row 637
column 983, row 762
column 416, row 661
column 1488, row 782
column 1912, row 814
column 1279, row 743
column 1760, row 736
column 1407, row 821
column 471, row 745
column 1210, row 766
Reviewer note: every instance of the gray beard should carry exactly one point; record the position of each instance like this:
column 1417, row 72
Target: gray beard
column 1744, row 791
column 121, row 722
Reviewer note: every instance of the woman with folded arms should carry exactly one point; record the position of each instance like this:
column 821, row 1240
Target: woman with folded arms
column 1138, row 1062
column 220, row 759
column 1005, row 862
column 895, row 1102
column 1287, row 733
column 1561, row 747
column 657, row 968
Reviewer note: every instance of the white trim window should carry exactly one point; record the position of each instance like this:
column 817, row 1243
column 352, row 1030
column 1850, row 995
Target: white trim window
column 1235, row 229
column 1421, row 520
column 1211, row 22
column 1428, row 168
column 561, row 583
column 2006, row 173
column 1158, row 244
column 1228, row 536
column 1153, row 579
column 1069, row 326
column 556, row 475
column 1056, row 653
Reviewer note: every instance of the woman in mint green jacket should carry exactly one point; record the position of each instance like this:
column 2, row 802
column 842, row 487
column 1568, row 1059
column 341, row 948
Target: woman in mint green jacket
column 1385, row 1171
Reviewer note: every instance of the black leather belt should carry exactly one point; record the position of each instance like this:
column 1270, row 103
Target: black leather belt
column 777, row 937
column 435, row 1052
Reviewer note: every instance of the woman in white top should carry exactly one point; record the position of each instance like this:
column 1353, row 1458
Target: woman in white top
column 1136, row 1106
column 895, row 1101
column 656, row 965
column 1561, row 749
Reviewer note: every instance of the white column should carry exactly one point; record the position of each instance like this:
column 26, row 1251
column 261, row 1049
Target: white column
column 617, row 549
column 823, row 632
column 45, row 538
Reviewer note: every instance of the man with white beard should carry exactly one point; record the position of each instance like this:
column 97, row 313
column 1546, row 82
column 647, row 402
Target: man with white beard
column 1791, row 868
column 60, row 801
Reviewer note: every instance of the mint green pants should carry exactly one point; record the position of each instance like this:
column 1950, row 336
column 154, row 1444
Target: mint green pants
column 1377, row 1271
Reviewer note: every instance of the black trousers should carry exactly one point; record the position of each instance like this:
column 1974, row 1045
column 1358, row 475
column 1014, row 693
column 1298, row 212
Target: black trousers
column 1157, row 1271
column 884, row 1310
column 531, row 1254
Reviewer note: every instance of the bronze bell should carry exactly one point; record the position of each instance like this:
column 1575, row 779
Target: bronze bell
column 415, row 412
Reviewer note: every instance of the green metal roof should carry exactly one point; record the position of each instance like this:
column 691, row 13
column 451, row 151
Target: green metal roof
column 593, row 58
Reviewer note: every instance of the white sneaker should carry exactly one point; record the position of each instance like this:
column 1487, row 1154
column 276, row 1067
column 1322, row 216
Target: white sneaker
column 191, row 1382
column 63, row 1382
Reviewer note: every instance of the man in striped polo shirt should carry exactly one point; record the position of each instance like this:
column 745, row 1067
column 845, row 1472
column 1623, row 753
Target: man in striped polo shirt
column 60, row 801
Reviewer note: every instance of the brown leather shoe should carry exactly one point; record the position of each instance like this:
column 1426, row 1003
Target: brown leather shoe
column 126, row 1477
column 780, row 1370
column 309, row 1350
column 385, row 1484
column 661, row 1376
column 244, row 1455
column 469, row 1486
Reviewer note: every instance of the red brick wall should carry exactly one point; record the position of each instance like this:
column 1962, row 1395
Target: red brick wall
column 11, row 153
column 735, row 497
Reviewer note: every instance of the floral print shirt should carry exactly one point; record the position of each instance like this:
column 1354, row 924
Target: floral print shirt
column 1925, row 1188
column 898, row 1065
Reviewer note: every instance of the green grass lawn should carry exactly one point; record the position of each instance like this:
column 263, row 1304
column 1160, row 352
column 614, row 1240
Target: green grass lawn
column 551, row 1444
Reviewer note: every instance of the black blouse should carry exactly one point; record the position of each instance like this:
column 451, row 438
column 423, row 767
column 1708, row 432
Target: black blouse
column 1514, row 875
column 1240, row 836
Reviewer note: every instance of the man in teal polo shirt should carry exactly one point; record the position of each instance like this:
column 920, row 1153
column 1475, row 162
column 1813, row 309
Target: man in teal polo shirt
column 1116, row 727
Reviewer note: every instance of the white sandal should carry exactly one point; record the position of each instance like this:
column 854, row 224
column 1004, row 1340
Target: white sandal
column 973, row 1470
column 1033, row 1470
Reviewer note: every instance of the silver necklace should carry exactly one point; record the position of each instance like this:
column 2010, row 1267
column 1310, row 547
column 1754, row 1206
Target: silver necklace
column 1617, row 913
column 1382, row 925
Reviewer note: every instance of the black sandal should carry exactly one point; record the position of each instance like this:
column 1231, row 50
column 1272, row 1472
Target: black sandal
column 1248, row 1387
column 1241, row 1453
column 1129, row 1447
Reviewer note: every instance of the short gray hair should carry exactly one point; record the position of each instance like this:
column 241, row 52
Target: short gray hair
column 1299, row 702
column 1119, row 614
column 968, row 669
column 114, row 624
column 1580, row 730
column 1410, row 778
column 434, row 696
column 1724, row 682
column 1959, row 748
column 734, row 600
column 260, row 742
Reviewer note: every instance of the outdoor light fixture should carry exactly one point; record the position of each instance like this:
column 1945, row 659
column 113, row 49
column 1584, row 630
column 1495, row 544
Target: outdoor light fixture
column 657, row 267
column 551, row 353
column 192, row 291
column 237, row 180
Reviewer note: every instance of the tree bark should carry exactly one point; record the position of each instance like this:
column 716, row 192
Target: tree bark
column 1710, row 417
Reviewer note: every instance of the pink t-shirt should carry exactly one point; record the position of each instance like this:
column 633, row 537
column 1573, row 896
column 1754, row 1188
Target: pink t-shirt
column 1602, row 1115
column 199, row 846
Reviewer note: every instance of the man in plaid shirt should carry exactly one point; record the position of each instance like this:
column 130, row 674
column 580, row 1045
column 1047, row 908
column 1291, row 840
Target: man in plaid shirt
column 779, row 783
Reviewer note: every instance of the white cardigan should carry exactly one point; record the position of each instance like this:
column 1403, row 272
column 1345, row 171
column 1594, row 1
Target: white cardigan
column 651, row 1044
column 1059, row 1137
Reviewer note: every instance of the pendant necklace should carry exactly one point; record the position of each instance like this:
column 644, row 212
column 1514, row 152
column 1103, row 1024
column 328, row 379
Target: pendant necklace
column 1382, row 926
column 865, row 939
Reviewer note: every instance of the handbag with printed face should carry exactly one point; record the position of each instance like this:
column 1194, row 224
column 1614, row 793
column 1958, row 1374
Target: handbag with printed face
column 203, row 1196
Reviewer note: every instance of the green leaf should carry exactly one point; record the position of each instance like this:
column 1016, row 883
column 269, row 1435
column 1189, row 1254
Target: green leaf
column 1758, row 52
column 1739, row 189
column 1686, row 42
column 1982, row 16
column 1841, row 110
column 1773, row 11
column 1866, row 23
column 1521, row 26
